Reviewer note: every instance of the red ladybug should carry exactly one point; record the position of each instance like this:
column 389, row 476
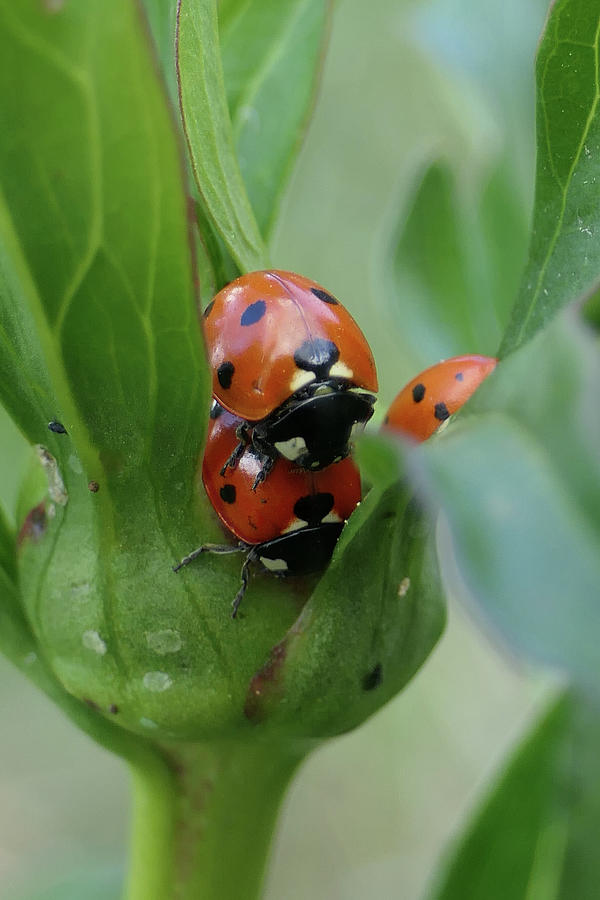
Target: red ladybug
column 431, row 398
column 291, row 523
column 289, row 360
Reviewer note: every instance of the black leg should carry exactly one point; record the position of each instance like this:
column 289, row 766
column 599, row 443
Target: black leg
column 208, row 548
column 245, row 582
column 267, row 463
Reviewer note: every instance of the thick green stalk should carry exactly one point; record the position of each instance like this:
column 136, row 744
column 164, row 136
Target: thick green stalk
column 203, row 823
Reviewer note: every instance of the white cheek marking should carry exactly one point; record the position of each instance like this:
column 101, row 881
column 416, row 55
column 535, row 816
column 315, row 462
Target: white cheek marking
column 301, row 379
column 341, row 370
column 331, row 517
column 291, row 449
column 357, row 429
column 274, row 565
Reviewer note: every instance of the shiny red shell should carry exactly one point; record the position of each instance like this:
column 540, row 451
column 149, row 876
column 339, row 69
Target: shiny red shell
column 433, row 395
column 255, row 325
column 289, row 499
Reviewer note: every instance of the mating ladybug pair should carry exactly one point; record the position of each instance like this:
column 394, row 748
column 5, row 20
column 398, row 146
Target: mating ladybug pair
column 293, row 381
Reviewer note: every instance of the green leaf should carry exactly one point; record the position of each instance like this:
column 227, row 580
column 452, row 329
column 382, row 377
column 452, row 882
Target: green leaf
column 518, row 479
column 373, row 619
column 209, row 133
column 272, row 53
column 564, row 256
column 454, row 263
column 25, row 386
column 162, row 19
column 536, row 834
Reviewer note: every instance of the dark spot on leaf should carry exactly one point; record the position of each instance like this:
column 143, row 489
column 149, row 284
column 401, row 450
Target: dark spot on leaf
column 324, row 296
column 314, row 507
column 441, row 412
column 386, row 420
column 318, row 356
column 459, row 376
column 93, row 486
column 227, row 493
column 253, row 313
column 264, row 681
column 418, row 392
column 57, row 427
column 225, row 374
column 373, row 678
column 113, row 708
column 208, row 309
column 91, row 703
column 34, row 525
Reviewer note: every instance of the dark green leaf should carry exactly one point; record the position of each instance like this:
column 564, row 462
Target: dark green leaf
column 271, row 59
column 564, row 257
column 455, row 263
column 372, row 621
column 536, row 835
column 209, row 133
column 518, row 478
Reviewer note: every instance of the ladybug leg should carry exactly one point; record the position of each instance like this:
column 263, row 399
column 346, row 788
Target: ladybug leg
column 244, row 436
column 245, row 575
column 267, row 463
column 208, row 548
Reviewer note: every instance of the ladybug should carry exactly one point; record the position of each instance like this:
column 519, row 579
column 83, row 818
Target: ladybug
column 292, row 363
column 289, row 524
column 431, row 398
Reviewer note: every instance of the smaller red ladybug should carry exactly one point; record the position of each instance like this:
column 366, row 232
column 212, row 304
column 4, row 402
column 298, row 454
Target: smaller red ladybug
column 429, row 399
column 289, row 524
column 290, row 361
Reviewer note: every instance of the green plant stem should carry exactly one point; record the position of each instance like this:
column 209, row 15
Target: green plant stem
column 204, row 817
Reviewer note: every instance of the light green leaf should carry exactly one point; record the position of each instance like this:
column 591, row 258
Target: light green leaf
column 209, row 133
column 271, row 59
column 535, row 836
column 518, row 480
column 454, row 263
column 564, row 256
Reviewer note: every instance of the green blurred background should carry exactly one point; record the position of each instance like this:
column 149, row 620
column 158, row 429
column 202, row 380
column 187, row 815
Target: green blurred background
column 371, row 813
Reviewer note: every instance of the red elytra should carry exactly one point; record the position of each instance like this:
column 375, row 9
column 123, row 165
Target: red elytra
column 435, row 394
column 266, row 333
column 289, row 500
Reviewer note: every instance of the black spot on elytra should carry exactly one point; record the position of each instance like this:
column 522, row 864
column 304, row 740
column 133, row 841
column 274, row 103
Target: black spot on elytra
column 459, row 376
column 57, row 427
column 253, row 313
column 418, row 392
column 373, row 678
column 318, row 356
column 324, row 296
column 215, row 410
column 441, row 412
column 208, row 309
column 314, row 507
column 225, row 374
column 227, row 493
